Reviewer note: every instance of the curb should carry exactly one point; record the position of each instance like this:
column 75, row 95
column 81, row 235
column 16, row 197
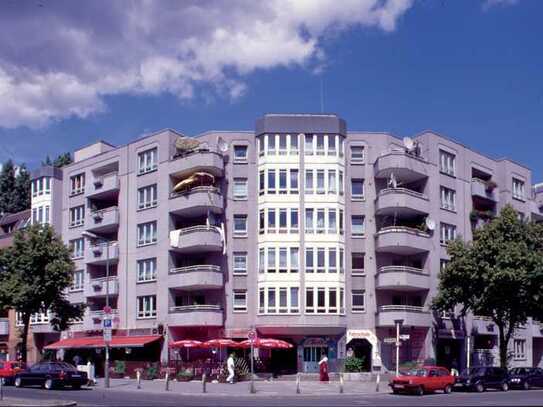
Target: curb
column 33, row 403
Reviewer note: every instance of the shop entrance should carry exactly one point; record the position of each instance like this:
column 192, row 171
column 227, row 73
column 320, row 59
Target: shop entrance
column 312, row 357
column 449, row 353
column 361, row 349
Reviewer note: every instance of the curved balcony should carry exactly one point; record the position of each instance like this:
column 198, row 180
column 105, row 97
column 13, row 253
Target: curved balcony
column 197, row 161
column 103, row 221
column 410, row 314
column 402, row 240
column 197, row 239
column 402, row 278
column 196, row 201
column 100, row 254
column 195, row 315
column 401, row 201
column 407, row 167
column 196, row 277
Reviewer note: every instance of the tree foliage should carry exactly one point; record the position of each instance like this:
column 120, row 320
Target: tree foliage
column 14, row 188
column 61, row 160
column 36, row 271
column 498, row 275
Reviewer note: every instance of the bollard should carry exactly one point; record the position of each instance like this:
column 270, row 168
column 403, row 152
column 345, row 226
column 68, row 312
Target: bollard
column 297, row 383
column 252, row 389
column 203, row 383
column 341, row 383
column 167, row 381
column 138, row 378
column 2, row 388
column 377, row 381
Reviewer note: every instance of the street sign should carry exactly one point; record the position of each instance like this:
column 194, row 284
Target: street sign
column 107, row 335
column 107, row 323
column 389, row 340
column 404, row 337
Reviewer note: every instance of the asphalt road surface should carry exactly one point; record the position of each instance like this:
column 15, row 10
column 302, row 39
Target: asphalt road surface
column 100, row 397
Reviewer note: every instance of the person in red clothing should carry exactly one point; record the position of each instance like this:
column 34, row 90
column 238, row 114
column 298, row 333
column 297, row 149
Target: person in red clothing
column 323, row 368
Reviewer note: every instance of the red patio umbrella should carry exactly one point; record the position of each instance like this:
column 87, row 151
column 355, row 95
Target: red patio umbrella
column 221, row 343
column 187, row 344
column 266, row 343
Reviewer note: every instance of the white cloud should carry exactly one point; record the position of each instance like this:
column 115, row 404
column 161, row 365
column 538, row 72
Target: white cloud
column 492, row 3
column 59, row 60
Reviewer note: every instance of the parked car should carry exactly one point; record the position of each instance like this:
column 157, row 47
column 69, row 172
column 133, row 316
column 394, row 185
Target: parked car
column 422, row 380
column 8, row 370
column 50, row 375
column 525, row 377
column 482, row 378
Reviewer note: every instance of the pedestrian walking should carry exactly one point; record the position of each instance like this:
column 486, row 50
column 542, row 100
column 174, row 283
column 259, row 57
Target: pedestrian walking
column 323, row 368
column 230, row 367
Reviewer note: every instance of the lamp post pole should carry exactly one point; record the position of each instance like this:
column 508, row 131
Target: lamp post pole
column 398, row 323
column 106, row 374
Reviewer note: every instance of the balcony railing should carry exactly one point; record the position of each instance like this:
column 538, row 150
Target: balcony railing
column 401, row 269
column 190, row 308
column 406, row 191
column 208, row 189
column 403, row 229
column 402, row 308
column 197, row 268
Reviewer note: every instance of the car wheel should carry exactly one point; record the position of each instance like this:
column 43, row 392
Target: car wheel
column 48, row 384
column 447, row 389
column 504, row 386
column 419, row 391
column 526, row 385
column 18, row 382
column 479, row 388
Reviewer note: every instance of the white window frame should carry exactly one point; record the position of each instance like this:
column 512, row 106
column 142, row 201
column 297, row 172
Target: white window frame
column 447, row 232
column 519, row 349
column 358, row 308
column 244, row 157
column 147, row 161
column 363, row 226
column 239, row 295
column 358, row 158
column 518, row 190
column 78, row 281
column 309, row 186
column 148, row 197
column 147, row 233
column 448, row 198
column 77, row 216
column 237, row 259
column 146, row 307
column 77, row 248
column 77, row 184
column 243, row 192
column 294, row 175
column 146, row 270
column 239, row 232
column 447, row 163
column 358, row 196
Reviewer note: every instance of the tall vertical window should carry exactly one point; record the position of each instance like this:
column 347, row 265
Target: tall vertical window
column 357, row 263
column 518, row 189
column 261, row 260
column 448, row 198
column 332, row 145
column 271, row 181
column 309, row 301
column 320, row 221
column 320, row 182
column 309, row 260
column 47, row 218
column 320, row 144
column 77, row 247
column 357, row 225
column 294, row 299
column 309, row 181
column 357, row 154
column 332, row 182
column 519, row 349
column 261, row 182
column 321, row 260
column 147, row 197
column 240, row 153
column 294, row 220
column 271, row 300
column 282, row 144
column 240, row 301
column 341, row 186
column 321, row 300
column 146, row 306
column 294, row 259
column 294, row 144
column 283, row 221
column 271, row 260
column 147, row 161
column 293, row 181
column 77, row 184
column 332, row 260
column 282, row 181
column 146, row 269
column 271, row 220
column 240, row 225
column 358, row 301
column 271, row 144
column 448, row 232
column 240, row 188
column 357, row 188
column 78, row 281
column 261, row 146
column 447, row 163
column 283, row 260
column 309, row 226
column 309, row 145
column 340, row 222
column 77, row 216
column 147, row 233
column 332, row 221
column 261, row 300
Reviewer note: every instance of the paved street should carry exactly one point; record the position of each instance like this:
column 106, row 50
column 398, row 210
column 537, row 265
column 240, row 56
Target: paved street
column 116, row 397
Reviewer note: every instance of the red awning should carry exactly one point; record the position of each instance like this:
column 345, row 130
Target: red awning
column 98, row 342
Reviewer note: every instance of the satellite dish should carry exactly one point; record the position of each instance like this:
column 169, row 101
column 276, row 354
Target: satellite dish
column 430, row 224
column 222, row 145
column 408, row 143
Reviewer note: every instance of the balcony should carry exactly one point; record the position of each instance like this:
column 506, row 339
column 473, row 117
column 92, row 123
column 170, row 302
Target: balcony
column 402, row 240
column 97, row 287
column 484, row 326
column 402, row 278
column 410, row 314
column 197, row 239
column 4, row 326
column 196, row 202
column 104, row 186
column 401, row 201
column 103, row 221
column 195, row 315
column 98, row 254
column 537, row 329
column 484, row 190
column 197, row 161
column 406, row 167
column 196, row 277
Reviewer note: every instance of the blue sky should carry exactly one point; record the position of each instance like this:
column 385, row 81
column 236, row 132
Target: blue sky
column 468, row 69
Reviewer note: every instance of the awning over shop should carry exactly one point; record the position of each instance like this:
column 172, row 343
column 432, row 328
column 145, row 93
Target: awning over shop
column 98, row 342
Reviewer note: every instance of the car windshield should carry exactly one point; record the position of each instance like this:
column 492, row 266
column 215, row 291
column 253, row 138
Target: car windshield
column 473, row 371
column 416, row 372
column 63, row 366
column 520, row 371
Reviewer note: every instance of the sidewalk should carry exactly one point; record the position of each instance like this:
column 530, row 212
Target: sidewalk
column 242, row 388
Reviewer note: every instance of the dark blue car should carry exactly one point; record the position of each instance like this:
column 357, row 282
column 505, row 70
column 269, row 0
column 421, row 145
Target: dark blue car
column 525, row 377
column 50, row 375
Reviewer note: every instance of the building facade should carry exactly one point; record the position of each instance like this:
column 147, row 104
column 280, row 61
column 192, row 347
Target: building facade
column 299, row 230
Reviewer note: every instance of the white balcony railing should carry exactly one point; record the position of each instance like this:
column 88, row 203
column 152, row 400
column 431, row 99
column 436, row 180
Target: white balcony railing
column 401, row 269
column 402, row 308
column 190, row 308
column 207, row 189
column 405, row 191
column 402, row 229
column 192, row 269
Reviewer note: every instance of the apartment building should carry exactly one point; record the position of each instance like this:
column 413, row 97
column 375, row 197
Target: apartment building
column 299, row 230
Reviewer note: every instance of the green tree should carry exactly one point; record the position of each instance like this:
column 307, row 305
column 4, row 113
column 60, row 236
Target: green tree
column 35, row 273
column 22, row 189
column 14, row 188
column 61, row 160
column 498, row 275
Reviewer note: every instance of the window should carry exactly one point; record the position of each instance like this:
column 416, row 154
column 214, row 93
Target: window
column 240, row 225
column 77, row 247
column 77, row 215
column 294, row 220
column 271, row 144
column 271, row 182
column 47, row 218
column 282, row 181
column 519, row 349
column 147, row 197
column 341, row 261
column 147, row 161
column 146, row 306
column 271, row 260
column 321, row 300
column 294, row 145
column 447, row 163
column 320, row 144
column 41, row 186
column 293, row 181
column 271, row 300
column 357, row 188
column 309, row 301
column 332, row 221
column 282, row 144
column 341, row 146
column 77, row 184
column 294, row 299
column 78, row 280
column 332, row 145
column 261, row 183
column 332, row 182
column 309, row 260
column 240, row 153
column 357, row 225
column 309, row 181
column 240, row 263
column 283, row 260
column 240, row 301
column 309, row 227
column 320, row 221
column 442, row 264
column 261, row 260
column 448, row 198
column 146, row 270
column 240, row 188
column 308, row 145
column 320, row 182
column 332, row 260
column 283, row 221
column 332, row 300
column 147, row 233
column 357, row 154
column 261, row 300
column 340, row 222
column 357, row 261
column 321, row 260
column 261, row 146
column 271, row 220
column 358, row 301
column 518, row 189
column 294, row 260
column 448, row 232
column 341, row 186
column 261, row 221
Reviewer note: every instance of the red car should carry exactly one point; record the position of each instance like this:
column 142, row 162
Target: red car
column 8, row 370
column 422, row 380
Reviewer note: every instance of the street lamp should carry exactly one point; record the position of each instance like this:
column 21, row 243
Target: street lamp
column 106, row 242
column 398, row 323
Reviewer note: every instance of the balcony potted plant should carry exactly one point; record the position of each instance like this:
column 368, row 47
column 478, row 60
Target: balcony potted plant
column 490, row 185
